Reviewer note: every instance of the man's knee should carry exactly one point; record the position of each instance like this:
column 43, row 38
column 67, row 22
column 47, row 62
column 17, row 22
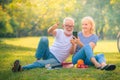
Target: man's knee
column 44, row 40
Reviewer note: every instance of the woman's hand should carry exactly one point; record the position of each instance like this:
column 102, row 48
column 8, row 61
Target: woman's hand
column 78, row 42
column 92, row 44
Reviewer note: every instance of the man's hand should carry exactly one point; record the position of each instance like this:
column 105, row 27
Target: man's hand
column 52, row 29
column 55, row 26
column 72, row 41
column 78, row 42
column 73, row 47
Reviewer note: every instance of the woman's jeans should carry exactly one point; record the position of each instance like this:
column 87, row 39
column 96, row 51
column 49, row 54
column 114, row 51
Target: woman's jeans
column 43, row 53
column 86, row 53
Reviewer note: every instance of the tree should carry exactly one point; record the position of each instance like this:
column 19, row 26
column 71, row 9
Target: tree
column 5, row 26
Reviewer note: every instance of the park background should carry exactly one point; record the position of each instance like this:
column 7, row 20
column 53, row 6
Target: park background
column 20, row 18
column 24, row 22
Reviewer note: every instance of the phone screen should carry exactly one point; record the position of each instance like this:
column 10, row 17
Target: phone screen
column 75, row 34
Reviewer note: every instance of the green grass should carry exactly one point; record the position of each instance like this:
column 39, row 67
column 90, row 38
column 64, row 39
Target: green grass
column 24, row 49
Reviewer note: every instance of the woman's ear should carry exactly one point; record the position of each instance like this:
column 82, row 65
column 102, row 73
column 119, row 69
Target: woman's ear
column 91, row 27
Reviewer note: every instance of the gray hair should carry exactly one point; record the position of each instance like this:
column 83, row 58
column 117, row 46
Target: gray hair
column 68, row 18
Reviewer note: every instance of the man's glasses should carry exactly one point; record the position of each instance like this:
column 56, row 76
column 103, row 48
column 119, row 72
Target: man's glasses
column 70, row 26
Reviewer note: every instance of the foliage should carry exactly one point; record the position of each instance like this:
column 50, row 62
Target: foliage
column 32, row 18
column 5, row 26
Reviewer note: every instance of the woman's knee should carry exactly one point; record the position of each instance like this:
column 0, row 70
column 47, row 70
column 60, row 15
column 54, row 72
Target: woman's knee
column 100, row 55
column 88, row 47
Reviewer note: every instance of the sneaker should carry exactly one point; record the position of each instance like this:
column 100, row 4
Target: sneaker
column 109, row 67
column 17, row 66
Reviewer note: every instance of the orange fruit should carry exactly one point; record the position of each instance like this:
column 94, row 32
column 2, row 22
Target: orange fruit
column 80, row 61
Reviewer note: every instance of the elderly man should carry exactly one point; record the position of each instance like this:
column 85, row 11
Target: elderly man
column 57, row 53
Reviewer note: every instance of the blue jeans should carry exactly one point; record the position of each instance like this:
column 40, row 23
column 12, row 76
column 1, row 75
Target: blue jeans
column 43, row 53
column 86, row 53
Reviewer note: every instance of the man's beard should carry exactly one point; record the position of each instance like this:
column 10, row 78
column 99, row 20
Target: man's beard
column 68, row 32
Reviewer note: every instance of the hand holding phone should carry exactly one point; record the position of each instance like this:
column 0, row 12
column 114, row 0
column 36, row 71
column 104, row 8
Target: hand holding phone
column 75, row 34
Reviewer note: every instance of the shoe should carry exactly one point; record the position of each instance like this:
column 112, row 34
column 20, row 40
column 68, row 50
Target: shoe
column 17, row 66
column 109, row 67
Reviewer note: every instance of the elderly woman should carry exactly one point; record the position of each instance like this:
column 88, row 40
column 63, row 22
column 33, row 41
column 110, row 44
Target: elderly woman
column 86, row 43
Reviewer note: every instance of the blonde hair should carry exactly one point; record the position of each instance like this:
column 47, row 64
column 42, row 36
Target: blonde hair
column 92, row 23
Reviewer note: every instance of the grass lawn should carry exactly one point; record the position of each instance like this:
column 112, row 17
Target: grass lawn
column 24, row 49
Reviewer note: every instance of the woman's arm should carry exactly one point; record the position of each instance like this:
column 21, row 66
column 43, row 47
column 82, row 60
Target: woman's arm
column 92, row 44
column 78, row 42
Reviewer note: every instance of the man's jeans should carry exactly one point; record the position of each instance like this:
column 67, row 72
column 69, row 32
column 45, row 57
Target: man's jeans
column 43, row 53
column 86, row 53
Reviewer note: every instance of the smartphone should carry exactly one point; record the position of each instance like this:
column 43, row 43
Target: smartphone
column 75, row 34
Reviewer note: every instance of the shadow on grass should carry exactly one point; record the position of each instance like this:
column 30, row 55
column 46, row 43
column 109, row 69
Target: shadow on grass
column 8, row 53
column 4, row 46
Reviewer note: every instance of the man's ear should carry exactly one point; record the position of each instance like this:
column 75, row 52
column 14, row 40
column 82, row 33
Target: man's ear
column 62, row 25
